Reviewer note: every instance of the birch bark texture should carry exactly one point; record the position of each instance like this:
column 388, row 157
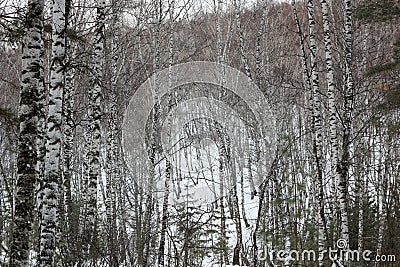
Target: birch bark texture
column 168, row 169
column 331, row 93
column 112, row 164
column 52, row 176
column 317, row 128
column 32, row 89
column 95, row 128
column 347, row 121
column 68, row 137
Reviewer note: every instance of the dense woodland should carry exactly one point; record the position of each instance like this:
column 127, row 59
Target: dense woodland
column 69, row 195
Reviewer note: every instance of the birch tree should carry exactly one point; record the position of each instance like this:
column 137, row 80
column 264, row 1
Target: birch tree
column 347, row 121
column 334, row 146
column 241, row 38
column 95, row 129
column 317, row 131
column 113, row 157
column 52, row 177
column 68, row 136
column 168, row 169
column 223, row 257
column 32, row 89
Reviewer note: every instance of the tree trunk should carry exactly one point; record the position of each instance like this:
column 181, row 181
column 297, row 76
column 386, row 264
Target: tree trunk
column 317, row 127
column 30, row 112
column 331, row 96
column 241, row 39
column 50, row 213
column 347, row 122
column 68, row 143
column 236, row 214
column 95, row 129
column 113, row 171
column 164, row 221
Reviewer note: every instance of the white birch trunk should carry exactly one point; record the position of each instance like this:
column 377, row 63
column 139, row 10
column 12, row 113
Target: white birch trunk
column 113, row 171
column 168, row 170
column 52, row 176
column 95, row 129
column 335, row 173
column 317, row 124
column 68, row 141
column 306, row 74
column 32, row 88
column 241, row 38
column 347, row 122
